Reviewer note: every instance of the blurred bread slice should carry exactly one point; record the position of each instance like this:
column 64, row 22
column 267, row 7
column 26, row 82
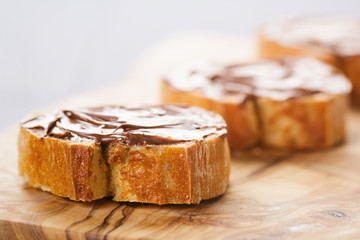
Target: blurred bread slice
column 333, row 39
column 291, row 103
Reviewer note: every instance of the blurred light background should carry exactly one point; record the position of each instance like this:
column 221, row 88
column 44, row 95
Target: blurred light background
column 52, row 49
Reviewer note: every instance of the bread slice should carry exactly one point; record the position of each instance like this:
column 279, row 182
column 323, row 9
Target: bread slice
column 292, row 103
column 333, row 39
column 68, row 158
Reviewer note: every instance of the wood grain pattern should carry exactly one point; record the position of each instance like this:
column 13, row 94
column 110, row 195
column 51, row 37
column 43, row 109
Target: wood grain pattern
column 272, row 194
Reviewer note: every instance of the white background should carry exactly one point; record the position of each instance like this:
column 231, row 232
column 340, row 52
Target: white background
column 52, row 49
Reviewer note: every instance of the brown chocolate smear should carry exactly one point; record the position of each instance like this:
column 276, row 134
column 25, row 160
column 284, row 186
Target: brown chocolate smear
column 287, row 78
column 149, row 125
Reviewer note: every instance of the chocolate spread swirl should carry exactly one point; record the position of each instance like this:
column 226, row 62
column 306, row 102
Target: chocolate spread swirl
column 339, row 34
column 151, row 125
column 281, row 79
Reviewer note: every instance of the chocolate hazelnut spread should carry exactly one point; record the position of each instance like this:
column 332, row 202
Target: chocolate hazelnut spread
column 339, row 34
column 281, row 79
column 151, row 125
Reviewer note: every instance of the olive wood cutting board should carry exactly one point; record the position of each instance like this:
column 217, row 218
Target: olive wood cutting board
column 272, row 193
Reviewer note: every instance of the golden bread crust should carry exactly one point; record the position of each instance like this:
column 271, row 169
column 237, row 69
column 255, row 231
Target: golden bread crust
column 182, row 173
column 61, row 167
column 84, row 171
column 306, row 123
column 351, row 67
column 270, row 49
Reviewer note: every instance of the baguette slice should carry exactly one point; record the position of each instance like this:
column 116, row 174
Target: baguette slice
column 292, row 103
column 158, row 154
column 333, row 39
